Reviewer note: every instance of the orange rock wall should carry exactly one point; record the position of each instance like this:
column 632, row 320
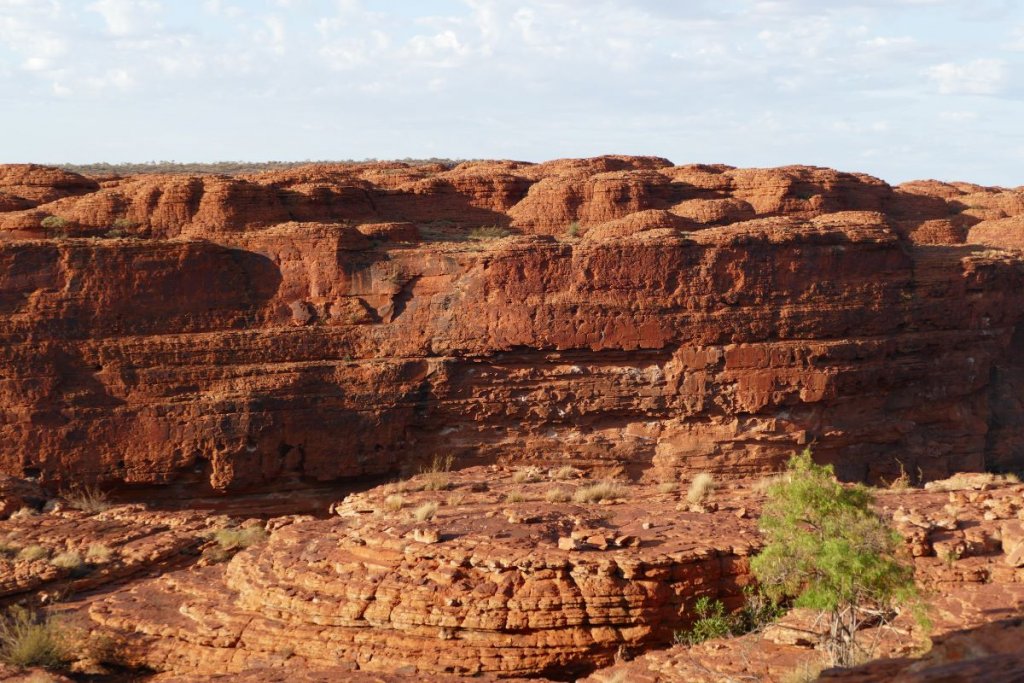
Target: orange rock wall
column 277, row 330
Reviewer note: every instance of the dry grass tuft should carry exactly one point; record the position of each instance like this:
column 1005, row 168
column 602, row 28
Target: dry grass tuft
column 436, row 472
column 27, row 640
column 98, row 553
column 700, row 488
column 527, row 475
column 24, row 513
column 31, row 553
column 962, row 481
column 239, row 539
column 425, row 511
column 489, row 232
column 515, row 497
column 394, row 502
column 668, row 487
column 902, row 482
column 603, row 490
column 89, row 499
column 565, row 472
column 69, row 559
column 763, row 484
column 557, row 496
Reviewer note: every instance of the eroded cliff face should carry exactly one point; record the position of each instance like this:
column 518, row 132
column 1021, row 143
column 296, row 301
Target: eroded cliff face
column 332, row 323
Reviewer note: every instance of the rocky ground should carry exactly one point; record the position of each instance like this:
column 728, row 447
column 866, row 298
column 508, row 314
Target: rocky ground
column 510, row 572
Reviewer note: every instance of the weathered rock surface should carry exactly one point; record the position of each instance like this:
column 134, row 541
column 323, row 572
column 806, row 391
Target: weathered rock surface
column 64, row 551
column 273, row 332
column 974, row 599
column 990, row 653
column 480, row 585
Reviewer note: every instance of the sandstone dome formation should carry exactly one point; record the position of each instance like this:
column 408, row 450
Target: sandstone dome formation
column 300, row 348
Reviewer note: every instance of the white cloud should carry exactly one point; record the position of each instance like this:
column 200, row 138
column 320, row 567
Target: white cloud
column 221, row 8
column 744, row 81
column 120, row 79
column 272, row 34
column 442, row 49
column 124, row 17
column 977, row 77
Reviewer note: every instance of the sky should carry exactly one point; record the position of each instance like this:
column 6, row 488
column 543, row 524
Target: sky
column 900, row 89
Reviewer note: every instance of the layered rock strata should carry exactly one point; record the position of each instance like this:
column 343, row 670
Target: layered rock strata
column 481, row 572
column 964, row 536
column 194, row 335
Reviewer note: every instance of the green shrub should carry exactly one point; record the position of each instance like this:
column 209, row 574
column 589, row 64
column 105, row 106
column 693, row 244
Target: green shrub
column 557, row 495
column 573, row 230
column 712, row 622
column 826, row 547
column 27, row 640
column 54, row 223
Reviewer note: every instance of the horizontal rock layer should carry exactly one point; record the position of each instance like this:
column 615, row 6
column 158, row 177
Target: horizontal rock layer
column 283, row 330
column 499, row 579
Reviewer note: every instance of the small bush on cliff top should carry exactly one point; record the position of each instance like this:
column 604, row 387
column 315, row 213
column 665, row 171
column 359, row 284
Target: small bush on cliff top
column 125, row 224
column 28, row 640
column 826, row 547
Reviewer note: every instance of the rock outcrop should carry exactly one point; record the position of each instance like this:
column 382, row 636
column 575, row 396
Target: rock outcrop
column 485, row 571
column 187, row 336
column 970, row 580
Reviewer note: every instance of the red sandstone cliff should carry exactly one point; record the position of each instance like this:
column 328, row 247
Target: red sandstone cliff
column 330, row 322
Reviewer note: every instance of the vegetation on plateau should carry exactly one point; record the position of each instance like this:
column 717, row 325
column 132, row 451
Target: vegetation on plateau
column 827, row 550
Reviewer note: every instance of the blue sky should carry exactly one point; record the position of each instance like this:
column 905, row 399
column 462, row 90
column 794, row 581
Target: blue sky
column 900, row 89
